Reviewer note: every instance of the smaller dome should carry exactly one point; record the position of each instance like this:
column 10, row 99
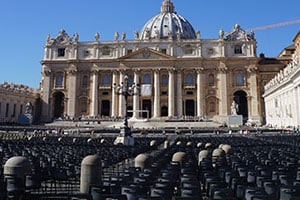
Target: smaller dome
column 167, row 24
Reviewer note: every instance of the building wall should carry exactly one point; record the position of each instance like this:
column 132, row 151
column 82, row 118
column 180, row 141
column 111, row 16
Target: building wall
column 194, row 77
column 13, row 100
column 282, row 94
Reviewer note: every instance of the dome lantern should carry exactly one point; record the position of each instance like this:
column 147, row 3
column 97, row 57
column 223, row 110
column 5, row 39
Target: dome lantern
column 167, row 25
column 167, row 6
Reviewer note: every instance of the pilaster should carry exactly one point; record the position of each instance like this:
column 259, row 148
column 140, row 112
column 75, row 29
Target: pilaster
column 72, row 73
column 136, row 98
column 200, row 92
column 94, row 102
column 113, row 96
column 121, row 97
column 179, row 93
column 222, row 88
column 46, row 116
column 171, row 95
column 156, row 103
column 254, row 115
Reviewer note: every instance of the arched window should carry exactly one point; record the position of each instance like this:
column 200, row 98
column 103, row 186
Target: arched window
column 211, row 80
column 83, row 105
column 212, row 107
column 85, row 81
column 188, row 50
column 147, row 79
column 164, row 80
column 59, row 80
column 105, row 51
column 130, row 80
column 106, row 80
column 239, row 79
column 189, row 79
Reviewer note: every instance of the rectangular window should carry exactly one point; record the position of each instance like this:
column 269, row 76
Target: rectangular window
column 61, row 52
column 129, row 51
column 14, row 110
column 210, row 51
column 163, row 51
column 238, row 49
column 188, row 51
column 7, row 110
column 189, row 93
column 106, row 80
column 21, row 109
column 212, row 107
column 239, row 79
column 164, row 81
column 59, row 80
column 164, row 93
column 106, row 52
column 211, row 80
column 86, row 53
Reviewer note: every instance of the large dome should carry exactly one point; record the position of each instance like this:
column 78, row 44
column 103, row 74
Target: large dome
column 167, row 24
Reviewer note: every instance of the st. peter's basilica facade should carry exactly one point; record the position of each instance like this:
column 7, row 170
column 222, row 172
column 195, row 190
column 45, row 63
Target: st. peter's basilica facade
column 180, row 74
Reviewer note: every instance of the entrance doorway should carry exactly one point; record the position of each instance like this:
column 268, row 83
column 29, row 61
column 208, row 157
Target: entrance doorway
column 59, row 99
column 190, row 108
column 164, row 111
column 105, row 108
column 129, row 114
column 240, row 97
column 146, row 105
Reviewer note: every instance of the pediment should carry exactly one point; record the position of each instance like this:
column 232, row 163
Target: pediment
column 238, row 33
column 146, row 54
column 61, row 39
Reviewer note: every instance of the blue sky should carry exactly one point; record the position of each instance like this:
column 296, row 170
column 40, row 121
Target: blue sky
column 25, row 25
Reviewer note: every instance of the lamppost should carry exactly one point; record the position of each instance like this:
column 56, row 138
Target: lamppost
column 125, row 90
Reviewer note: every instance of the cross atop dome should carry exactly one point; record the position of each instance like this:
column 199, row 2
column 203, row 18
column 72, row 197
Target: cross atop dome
column 167, row 6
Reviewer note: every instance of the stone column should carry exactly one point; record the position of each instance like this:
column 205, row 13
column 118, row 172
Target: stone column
column 253, row 92
column 94, row 102
column 156, row 103
column 121, row 97
column 297, row 110
column 72, row 93
column 113, row 96
column 294, row 106
column 179, row 94
column 136, row 98
column 298, row 107
column 222, row 88
column 171, row 94
column 200, row 93
column 46, row 116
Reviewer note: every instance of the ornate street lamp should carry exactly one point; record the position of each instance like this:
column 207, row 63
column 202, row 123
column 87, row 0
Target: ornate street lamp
column 125, row 90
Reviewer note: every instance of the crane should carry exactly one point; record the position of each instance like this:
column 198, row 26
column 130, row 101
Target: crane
column 274, row 25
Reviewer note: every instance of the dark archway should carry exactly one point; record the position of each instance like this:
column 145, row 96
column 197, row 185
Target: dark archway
column 240, row 97
column 146, row 105
column 164, row 111
column 129, row 114
column 105, row 108
column 190, row 108
column 38, row 110
column 59, row 104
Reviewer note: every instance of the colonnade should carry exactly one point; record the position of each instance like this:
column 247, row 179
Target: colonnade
column 172, row 95
column 174, row 88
